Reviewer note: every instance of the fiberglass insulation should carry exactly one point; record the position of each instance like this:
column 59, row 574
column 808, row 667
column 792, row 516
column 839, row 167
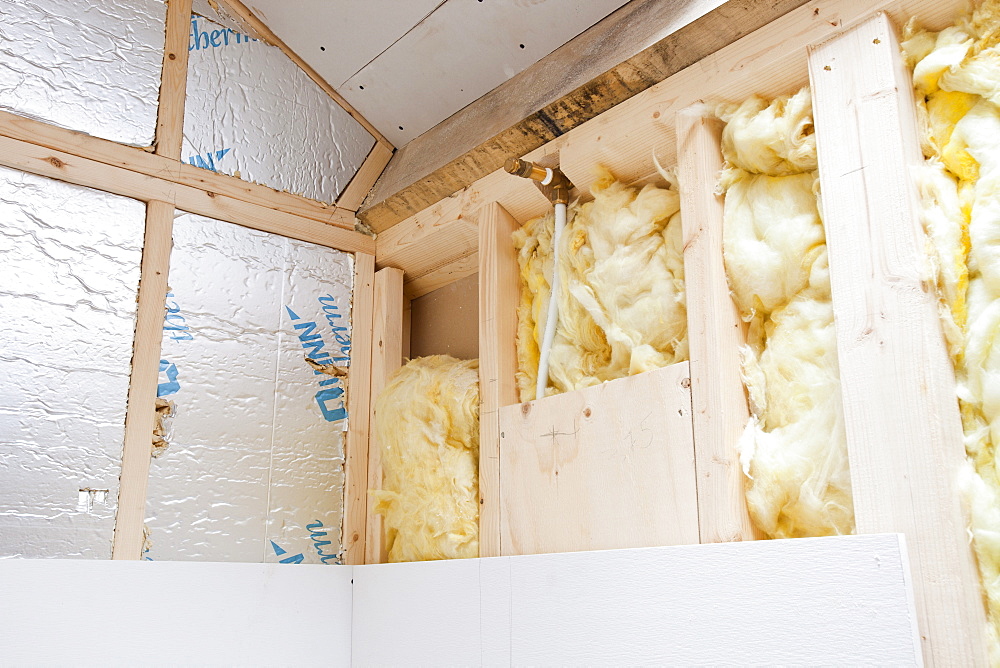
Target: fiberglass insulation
column 956, row 73
column 794, row 449
column 621, row 297
column 427, row 425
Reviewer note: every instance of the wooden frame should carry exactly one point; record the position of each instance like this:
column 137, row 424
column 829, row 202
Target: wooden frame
column 499, row 287
column 387, row 358
column 904, row 433
column 359, row 400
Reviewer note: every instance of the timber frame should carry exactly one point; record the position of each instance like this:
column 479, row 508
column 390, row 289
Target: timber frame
column 157, row 176
column 903, row 429
column 901, row 484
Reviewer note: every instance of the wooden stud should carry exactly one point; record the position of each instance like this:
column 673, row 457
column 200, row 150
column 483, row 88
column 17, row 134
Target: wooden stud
column 254, row 25
column 359, row 403
column 136, row 160
column 173, row 82
column 715, row 333
column 499, row 289
column 141, row 412
column 84, row 172
column 387, row 358
column 904, row 433
column 355, row 192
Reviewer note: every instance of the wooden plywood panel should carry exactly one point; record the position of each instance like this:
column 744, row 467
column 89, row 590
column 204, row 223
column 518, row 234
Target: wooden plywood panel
column 605, row 467
column 457, row 54
column 446, row 321
column 904, row 434
column 815, row 601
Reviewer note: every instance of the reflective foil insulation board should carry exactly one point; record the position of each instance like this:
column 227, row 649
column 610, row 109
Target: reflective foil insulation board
column 252, row 469
column 69, row 270
column 87, row 66
column 251, row 112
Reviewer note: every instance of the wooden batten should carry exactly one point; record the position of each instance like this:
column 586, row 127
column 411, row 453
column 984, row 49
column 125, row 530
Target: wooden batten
column 387, row 358
column 55, row 164
column 609, row 466
column 141, row 408
column 715, row 333
column 173, row 82
column 168, row 169
column 358, row 411
column 904, row 433
column 499, row 286
column 365, row 178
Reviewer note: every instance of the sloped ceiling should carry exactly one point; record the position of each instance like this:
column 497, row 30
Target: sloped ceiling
column 407, row 65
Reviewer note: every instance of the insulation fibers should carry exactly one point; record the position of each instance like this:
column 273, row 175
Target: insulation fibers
column 87, row 66
column 252, row 113
column 621, row 298
column 794, row 450
column 69, row 270
column 427, row 425
column 255, row 333
column 956, row 73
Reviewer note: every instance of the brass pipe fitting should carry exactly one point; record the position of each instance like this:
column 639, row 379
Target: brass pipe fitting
column 550, row 180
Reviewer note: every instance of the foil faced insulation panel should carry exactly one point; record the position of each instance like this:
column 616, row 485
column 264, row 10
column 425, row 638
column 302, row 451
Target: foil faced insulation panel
column 69, row 270
column 87, row 66
column 253, row 470
column 252, row 113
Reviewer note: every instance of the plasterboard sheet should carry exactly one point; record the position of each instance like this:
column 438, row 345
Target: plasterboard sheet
column 87, row 66
column 844, row 600
column 251, row 112
column 339, row 37
column 459, row 53
column 253, row 469
column 129, row 613
column 69, row 271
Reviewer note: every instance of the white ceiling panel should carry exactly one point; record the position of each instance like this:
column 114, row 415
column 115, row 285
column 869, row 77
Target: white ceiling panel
column 339, row 37
column 407, row 65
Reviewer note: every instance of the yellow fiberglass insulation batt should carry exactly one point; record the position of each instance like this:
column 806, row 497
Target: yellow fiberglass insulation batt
column 956, row 73
column 621, row 298
column 794, row 449
column 427, row 426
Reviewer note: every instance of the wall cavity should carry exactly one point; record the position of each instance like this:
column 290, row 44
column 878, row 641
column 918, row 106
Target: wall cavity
column 87, row 66
column 69, row 269
column 252, row 469
column 252, row 113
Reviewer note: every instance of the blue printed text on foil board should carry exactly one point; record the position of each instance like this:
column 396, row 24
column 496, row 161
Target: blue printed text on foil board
column 213, row 39
column 312, row 342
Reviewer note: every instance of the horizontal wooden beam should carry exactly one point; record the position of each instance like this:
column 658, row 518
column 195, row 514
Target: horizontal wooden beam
column 260, row 29
column 623, row 55
column 174, row 171
column 63, row 166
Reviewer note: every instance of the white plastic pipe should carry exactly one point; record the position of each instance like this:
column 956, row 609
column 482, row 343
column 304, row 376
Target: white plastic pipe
column 553, row 314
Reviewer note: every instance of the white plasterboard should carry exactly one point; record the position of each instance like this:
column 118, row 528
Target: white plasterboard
column 844, row 600
column 139, row 613
column 339, row 37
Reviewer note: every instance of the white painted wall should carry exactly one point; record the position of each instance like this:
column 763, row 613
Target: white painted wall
column 844, row 601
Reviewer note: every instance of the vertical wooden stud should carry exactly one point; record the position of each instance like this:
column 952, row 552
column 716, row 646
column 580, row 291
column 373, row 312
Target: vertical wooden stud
column 904, row 433
column 173, row 84
column 141, row 413
column 498, row 298
column 358, row 411
column 715, row 333
column 387, row 357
